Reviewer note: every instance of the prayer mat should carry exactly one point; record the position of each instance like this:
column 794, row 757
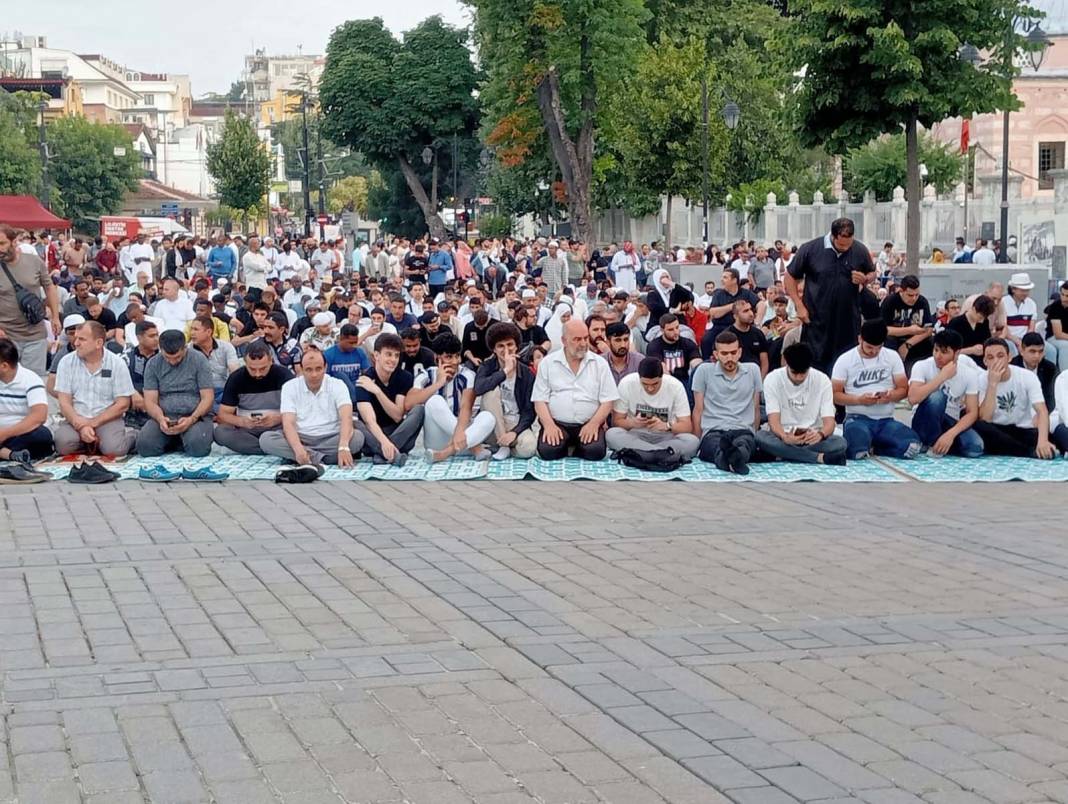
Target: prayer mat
column 259, row 467
column 988, row 469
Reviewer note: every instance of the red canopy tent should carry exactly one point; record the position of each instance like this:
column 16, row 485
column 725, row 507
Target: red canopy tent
column 26, row 212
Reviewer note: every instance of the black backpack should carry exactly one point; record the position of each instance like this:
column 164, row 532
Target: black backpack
column 665, row 459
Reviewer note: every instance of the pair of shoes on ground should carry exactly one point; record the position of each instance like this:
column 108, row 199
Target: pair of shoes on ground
column 20, row 470
column 92, row 473
column 161, row 474
column 302, row 473
column 731, row 459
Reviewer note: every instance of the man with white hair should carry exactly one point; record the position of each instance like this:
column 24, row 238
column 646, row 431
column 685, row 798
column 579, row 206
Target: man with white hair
column 573, row 396
column 255, row 265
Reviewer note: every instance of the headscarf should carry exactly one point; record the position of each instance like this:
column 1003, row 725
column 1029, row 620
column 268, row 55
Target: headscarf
column 664, row 293
column 554, row 328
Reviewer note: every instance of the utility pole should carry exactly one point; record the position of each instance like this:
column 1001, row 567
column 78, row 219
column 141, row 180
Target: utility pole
column 455, row 183
column 704, row 161
column 306, row 178
column 322, row 177
column 46, row 188
column 162, row 133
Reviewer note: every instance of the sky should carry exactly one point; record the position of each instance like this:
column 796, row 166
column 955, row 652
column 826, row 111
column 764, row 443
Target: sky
column 206, row 39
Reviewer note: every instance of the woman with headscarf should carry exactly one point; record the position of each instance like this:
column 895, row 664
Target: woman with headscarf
column 659, row 298
column 555, row 327
column 597, row 265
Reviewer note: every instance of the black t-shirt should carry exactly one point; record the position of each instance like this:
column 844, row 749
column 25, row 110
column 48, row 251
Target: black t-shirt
column 970, row 336
column 244, row 391
column 474, row 340
column 675, row 356
column 420, row 361
column 721, row 297
column 533, row 334
column 754, row 343
column 418, row 263
column 1056, row 312
column 400, row 383
column 107, row 319
column 896, row 313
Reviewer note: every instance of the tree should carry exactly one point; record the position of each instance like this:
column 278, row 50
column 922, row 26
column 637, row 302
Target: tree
column 658, row 128
column 873, row 68
column 550, row 64
column 392, row 204
column 350, row 193
column 880, row 166
column 240, row 165
column 412, row 95
column 90, row 179
column 20, row 163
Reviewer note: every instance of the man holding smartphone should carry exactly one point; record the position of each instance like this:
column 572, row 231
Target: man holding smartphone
column 870, row 380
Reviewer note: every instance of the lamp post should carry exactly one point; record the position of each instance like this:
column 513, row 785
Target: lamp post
column 46, row 188
column 731, row 115
column 1038, row 43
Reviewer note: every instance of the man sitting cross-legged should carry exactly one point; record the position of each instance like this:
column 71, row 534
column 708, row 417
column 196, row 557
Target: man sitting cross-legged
column 727, row 394
column 1013, row 418
column 504, row 385
column 251, row 403
column 869, row 380
column 944, row 389
column 447, row 391
column 23, row 410
column 179, row 395
column 573, row 396
column 317, row 424
column 389, row 429
column 800, row 405
column 652, row 412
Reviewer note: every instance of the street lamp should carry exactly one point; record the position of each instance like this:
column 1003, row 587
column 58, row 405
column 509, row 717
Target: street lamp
column 1038, row 44
column 731, row 115
column 428, row 156
column 42, row 144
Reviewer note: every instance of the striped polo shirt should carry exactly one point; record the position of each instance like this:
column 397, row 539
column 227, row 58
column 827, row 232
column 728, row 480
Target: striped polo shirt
column 17, row 397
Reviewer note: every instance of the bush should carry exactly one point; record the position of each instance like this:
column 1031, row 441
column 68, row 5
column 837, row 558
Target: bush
column 494, row 226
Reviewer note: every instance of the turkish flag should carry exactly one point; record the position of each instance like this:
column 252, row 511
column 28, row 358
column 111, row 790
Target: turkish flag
column 965, row 135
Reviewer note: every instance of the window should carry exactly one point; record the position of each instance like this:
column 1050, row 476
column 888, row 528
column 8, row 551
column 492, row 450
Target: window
column 150, row 100
column 1050, row 157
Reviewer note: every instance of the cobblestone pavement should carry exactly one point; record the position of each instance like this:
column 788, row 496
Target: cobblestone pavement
column 551, row 643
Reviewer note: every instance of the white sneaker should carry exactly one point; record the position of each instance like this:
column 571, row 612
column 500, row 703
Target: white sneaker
column 428, row 456
column 502, row 454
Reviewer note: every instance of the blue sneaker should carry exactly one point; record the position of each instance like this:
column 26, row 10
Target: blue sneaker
column 158, row 474
column 206, row 474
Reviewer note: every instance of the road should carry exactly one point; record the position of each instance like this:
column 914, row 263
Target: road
column 534, row 642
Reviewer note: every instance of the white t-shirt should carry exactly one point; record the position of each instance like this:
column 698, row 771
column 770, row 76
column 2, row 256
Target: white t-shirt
column 286, row 264
column 963, row 383
column 864, row 375
column 17, row 397
column 317, row 413
column 1019, row 316
column 984, row 256
column 803, row 405
column 742, row 267
column 1016, row 397
column 323, row 261
column 173, row 314
column 256, row 267
column 667, row 404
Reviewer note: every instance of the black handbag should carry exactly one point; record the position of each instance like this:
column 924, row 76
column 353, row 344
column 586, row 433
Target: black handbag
column 33, row 309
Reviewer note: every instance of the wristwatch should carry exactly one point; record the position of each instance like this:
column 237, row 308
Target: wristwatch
column 344, row 449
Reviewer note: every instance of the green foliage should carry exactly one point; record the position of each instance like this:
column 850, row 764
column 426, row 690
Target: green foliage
column 223, row 215
column 495, row 225
column 350, row 193
column 20, row 163
column 240, row 164
column 871, row 67
column 91, row 181
column 391, row 203
column 880, row 166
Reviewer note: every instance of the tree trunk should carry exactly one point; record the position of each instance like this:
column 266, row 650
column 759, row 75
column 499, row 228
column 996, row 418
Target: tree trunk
column 913, row 194
column 667, row 221
column 573, row 157
column 430, row 213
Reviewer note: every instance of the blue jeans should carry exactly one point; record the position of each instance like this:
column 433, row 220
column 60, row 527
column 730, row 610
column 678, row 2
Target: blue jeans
column 865, row 435
column 929, row 422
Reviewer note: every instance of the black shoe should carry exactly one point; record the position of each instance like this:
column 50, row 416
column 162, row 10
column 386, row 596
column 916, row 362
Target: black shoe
column 305, row 473
column 23, row 458
column 91, row 473
column 16, row 474
column 738, row 463
column 721, row 461
column 834, row 458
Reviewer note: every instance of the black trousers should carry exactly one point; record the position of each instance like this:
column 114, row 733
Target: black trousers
column 1007, row 439
column 594, row 451
column 38, row 441
column 715, row 444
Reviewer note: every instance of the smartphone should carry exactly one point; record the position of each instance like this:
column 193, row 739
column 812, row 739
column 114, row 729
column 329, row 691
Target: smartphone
column 256, row 415
column 798, row 431
column 172, row 422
